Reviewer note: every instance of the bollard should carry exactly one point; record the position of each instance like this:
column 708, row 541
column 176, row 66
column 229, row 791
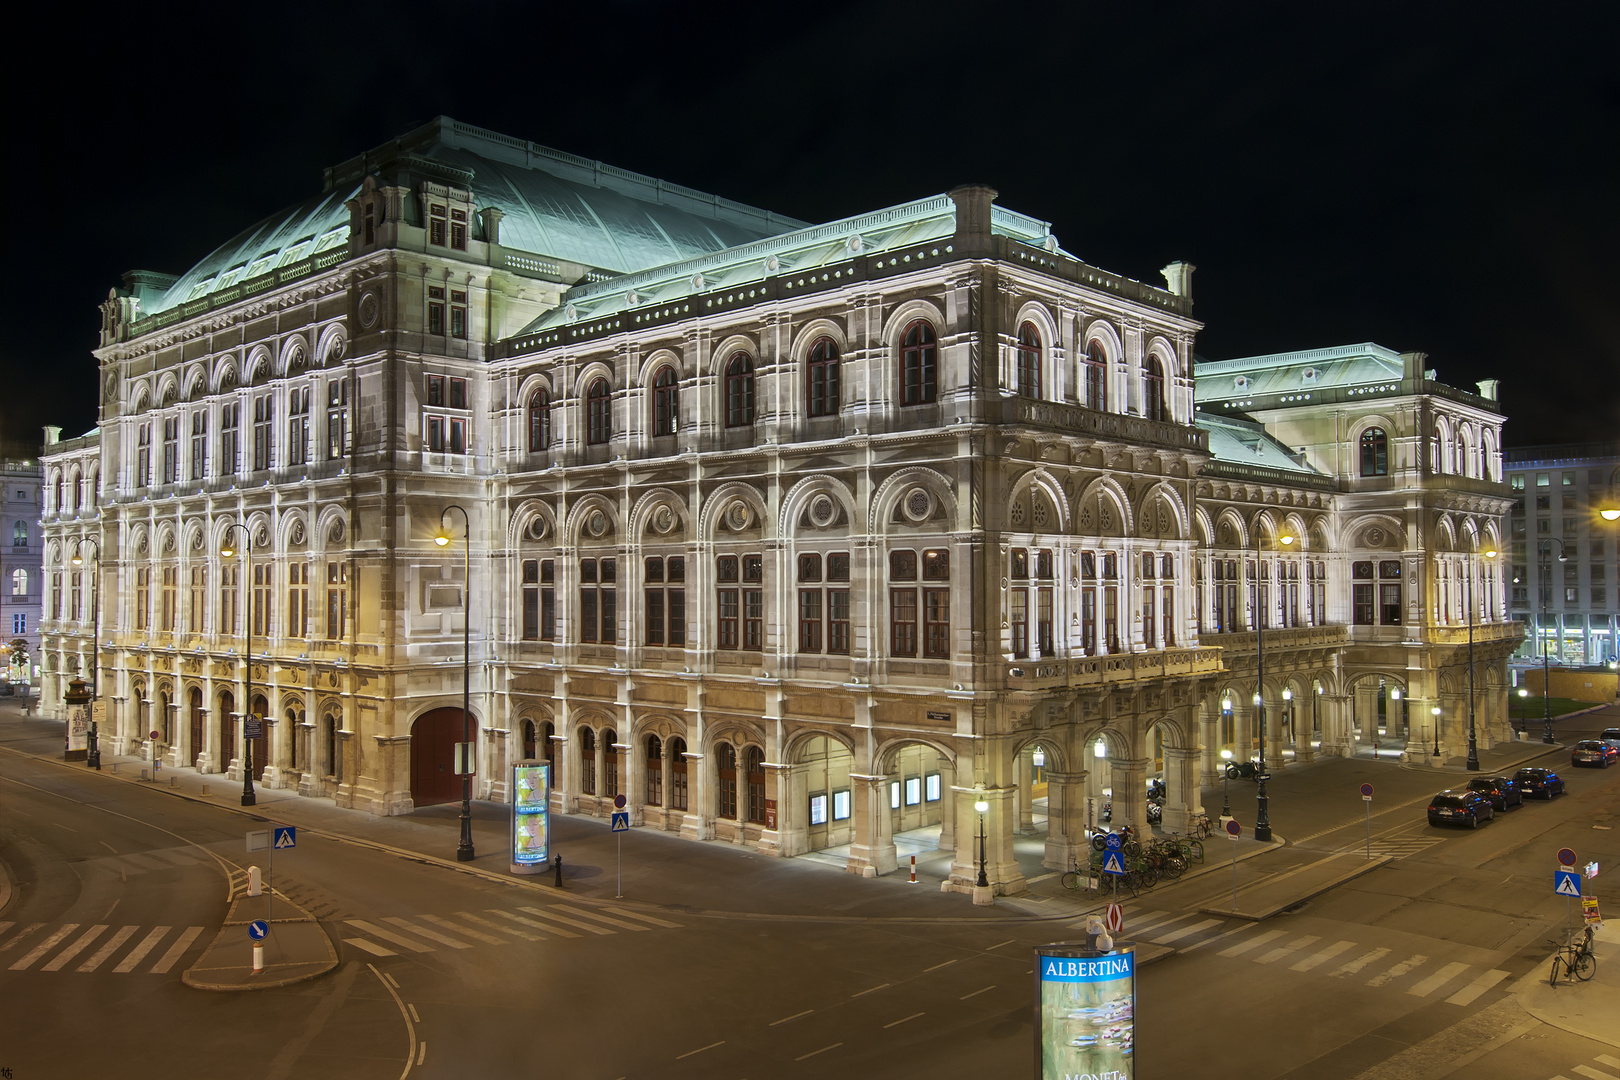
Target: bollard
column 557, row 863
column 913, row 870
column 258, row 958
column 174, row 781
column 254, row 886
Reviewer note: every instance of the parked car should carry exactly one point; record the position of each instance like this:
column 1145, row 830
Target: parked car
column 1542, row 782
column 1611, row 736
column 1459, row 806
column 1501, row 790
column 1593, row 752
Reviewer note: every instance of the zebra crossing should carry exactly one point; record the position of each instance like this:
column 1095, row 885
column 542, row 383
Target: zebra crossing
column 1398, row 848
column 394, row 935
column 42, row 947
column 1611, row 1070
column 1376, row 967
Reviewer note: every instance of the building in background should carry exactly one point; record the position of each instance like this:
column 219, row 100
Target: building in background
column 21, row 583
column 798, row 536
column 1566, row 567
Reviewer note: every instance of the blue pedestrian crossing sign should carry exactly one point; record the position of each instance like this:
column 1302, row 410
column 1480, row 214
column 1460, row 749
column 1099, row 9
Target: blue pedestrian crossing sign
column 1113, row 862
column 286, row 837
column 621, row 822
column 1567, row 883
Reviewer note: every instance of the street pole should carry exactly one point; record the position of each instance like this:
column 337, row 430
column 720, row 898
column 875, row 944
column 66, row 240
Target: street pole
column 984, row 880
column 464, row 847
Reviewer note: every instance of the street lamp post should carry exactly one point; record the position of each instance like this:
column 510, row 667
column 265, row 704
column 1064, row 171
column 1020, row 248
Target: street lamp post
column 984, row 880
column 1523, row 693
column 1435, row 712
column 1262, row 817
column 1541, row 631
column 1316, row 717
column 1226, row 786
column 1473, row 745
column 464, row 847
column 249, row 798
column 93, row 757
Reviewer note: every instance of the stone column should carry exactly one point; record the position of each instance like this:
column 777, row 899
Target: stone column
column 1001, row 862
column 947, row 815
column 1337, row 740
column 1024, row 795
column 1275, row 724
column 871, row 850
column 1129, row 776
column 1065, row 820
column 1182, row 795
column 1211, row 767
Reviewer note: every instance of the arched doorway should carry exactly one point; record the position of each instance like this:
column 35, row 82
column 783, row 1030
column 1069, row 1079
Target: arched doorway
column 227, row 729
column 194, row 748
column 261, row 744
column 433, row 752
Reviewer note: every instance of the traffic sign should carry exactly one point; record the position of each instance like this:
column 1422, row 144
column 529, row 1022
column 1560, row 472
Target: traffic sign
column 1234, row 829
column 1366, row 792
column 621, row 822
column 254, row 726
column 156, row 736
column 258, row 929
column 258, row 840
column 1113, row 862
column 1115, row 920
column 1591, row 869
column 1566, row 856
column 1566, row 883
column 286, row 836
column 1112, row 841
column 618, row 802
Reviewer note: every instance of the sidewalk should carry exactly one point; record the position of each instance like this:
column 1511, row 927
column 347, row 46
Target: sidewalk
column 1588, row 1009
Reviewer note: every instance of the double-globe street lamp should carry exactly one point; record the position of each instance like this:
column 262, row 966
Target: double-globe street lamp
column 248, row 795
column 1262, row 817
column 1473, row 746
column 92, row 758
column 464, row 847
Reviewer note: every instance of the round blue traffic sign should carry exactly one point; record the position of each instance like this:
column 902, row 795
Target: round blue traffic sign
column 1113, row 841
column 258, row 929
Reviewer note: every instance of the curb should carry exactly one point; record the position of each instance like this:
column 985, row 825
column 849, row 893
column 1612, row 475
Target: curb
column 1364, row 867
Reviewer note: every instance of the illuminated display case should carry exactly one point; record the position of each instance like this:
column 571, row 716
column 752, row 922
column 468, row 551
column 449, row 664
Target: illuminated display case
column 531, row 797
column 1086, row 1011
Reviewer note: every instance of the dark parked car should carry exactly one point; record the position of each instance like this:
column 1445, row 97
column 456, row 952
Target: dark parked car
column 1542, row 782
column 1611, row 736
column 1459, row 806
column 1501, row 790
column 1593, row 752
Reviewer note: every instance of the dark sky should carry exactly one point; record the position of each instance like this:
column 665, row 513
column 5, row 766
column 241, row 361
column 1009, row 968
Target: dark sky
column 1430, row 177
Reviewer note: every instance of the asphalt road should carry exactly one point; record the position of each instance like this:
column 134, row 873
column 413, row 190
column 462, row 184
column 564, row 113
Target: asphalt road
column 450, row 975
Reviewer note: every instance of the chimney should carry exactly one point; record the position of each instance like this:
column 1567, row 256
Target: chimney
column 973, row 209
column 53, row 434
column 1412, row 365
column 1488, row 388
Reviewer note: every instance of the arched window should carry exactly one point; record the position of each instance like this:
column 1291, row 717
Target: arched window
column 60, row 491
column 666, row 401
column 655, row 771
column 587, row 761
column 754, row 758
column 19, row 582
column 919, row 364
column 539, row 421
column 1374, row 452
column 677, row 774
column 1153, row 389
column 739, row 391
column 528, row 740
column 294, row 737
column 78, row 492
column 1094, row 365
column 1029, row 361
column 821, row 387
column 610, row 763
column 727, row 763
column 598, row 413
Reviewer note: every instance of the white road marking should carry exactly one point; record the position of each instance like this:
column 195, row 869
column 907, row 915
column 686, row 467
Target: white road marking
column 976, row 993
column 936, row 967
column 700, row 1050
column 44, row 947
column 1360, row 962
column 648, row 918
column 1605, row 1059
column 1260, row 939
column 422, row 931
column 418, row 1019
column 1165, row 939
column 897, row 1023
column 102, row 954
column 1326, row 954
column 591, row 927
column 1413, row 961
column 823, row 1050
column 388, row 935
column 875, row 989
column 785, row 1019
column 476, row 935
column 582, row 913
column 176, row 951
column 1468, row 993
column 470, row 917
column 1591, row 1073
column 62, row 958
column 537, row 925
column 1287, row 950
column 138, row 953
column 421, row 1052
column 1437, row 980
column 369, row 946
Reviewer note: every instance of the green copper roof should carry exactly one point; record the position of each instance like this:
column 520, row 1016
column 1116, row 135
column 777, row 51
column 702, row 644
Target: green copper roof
column 1232, row 381
column 808, row 249
column 554, row 204
column 1244, row 442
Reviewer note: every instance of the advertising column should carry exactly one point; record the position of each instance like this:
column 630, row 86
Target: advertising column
column 531, row 794
column 1086, row 1005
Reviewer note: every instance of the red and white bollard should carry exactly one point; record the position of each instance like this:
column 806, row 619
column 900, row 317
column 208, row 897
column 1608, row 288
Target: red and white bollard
column 913, row 870
column 258, row 958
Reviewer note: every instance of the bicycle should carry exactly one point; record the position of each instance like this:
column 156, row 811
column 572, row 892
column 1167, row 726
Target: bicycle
column 1075, row 881
column 1202, row 829
column 1573, row 960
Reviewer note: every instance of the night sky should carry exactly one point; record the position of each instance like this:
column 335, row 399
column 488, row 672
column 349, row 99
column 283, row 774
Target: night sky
column 1432, row 177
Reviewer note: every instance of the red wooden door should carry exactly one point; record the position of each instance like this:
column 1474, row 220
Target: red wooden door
column 261, row 745
column 227, row 729
column 433, row 753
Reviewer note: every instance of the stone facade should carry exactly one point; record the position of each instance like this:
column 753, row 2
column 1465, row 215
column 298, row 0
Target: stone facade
column 798, row 536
